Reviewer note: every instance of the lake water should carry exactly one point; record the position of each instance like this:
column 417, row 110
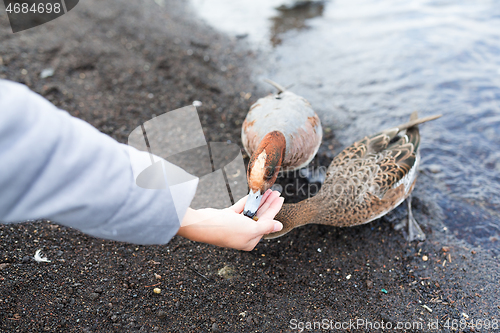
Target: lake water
column 365, row 65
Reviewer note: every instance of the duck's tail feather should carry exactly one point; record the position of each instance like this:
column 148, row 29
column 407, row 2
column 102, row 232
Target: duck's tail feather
column 414, row 121
column 276, row 85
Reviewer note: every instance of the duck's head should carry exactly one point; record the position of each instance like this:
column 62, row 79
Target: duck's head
column 263, row 169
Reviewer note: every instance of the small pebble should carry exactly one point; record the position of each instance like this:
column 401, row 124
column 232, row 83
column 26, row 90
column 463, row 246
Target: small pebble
column 47, row 72
column 157, row 276
column 197, row 103
column 161, row 314
column 94, row 296
column 369, row 283
column 425, row 258
column 157, row 290
column 215, row 327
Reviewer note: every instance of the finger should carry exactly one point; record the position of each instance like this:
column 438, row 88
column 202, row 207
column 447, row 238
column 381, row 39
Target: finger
column 273, row 209
column 240, row 205
column 270, row 199
column 265, row 197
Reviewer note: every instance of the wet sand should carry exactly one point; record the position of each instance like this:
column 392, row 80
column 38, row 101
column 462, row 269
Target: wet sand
column 117, row 65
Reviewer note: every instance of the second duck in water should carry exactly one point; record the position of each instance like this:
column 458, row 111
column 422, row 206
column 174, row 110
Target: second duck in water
column 364, row 182
column 281, row 132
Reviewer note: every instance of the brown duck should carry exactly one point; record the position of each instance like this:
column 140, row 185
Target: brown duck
column 364, row 182
column 281, row 132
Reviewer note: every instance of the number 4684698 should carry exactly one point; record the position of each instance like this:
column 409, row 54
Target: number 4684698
column 478, row 324
column 40, row 8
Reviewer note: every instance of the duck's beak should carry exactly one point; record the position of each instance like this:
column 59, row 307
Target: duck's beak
column 253, row 203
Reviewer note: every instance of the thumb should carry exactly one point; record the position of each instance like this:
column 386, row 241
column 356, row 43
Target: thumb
column 268, row 226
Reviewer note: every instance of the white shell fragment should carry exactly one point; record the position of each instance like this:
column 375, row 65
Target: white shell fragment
column 47, row 72
column 38, row 258
column 197, row 103
column 427, row 308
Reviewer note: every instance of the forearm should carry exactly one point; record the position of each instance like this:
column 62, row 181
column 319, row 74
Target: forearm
column 60, row 168
column 203, row 225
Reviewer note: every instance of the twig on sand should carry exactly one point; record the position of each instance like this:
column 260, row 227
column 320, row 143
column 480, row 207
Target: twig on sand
column 203, row 276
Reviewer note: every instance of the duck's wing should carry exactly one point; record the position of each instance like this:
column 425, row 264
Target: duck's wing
column 373, row 175
column 380, row 161
column 394, row 155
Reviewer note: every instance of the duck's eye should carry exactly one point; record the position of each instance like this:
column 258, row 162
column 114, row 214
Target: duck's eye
column 269, row 173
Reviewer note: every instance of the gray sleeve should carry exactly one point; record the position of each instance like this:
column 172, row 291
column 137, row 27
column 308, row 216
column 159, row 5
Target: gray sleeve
column 58, row 167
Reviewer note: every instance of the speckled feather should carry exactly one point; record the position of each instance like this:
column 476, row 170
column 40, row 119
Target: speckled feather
column 364, row 182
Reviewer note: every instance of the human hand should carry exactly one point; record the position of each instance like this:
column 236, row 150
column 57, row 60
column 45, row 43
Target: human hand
column 229, row 228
